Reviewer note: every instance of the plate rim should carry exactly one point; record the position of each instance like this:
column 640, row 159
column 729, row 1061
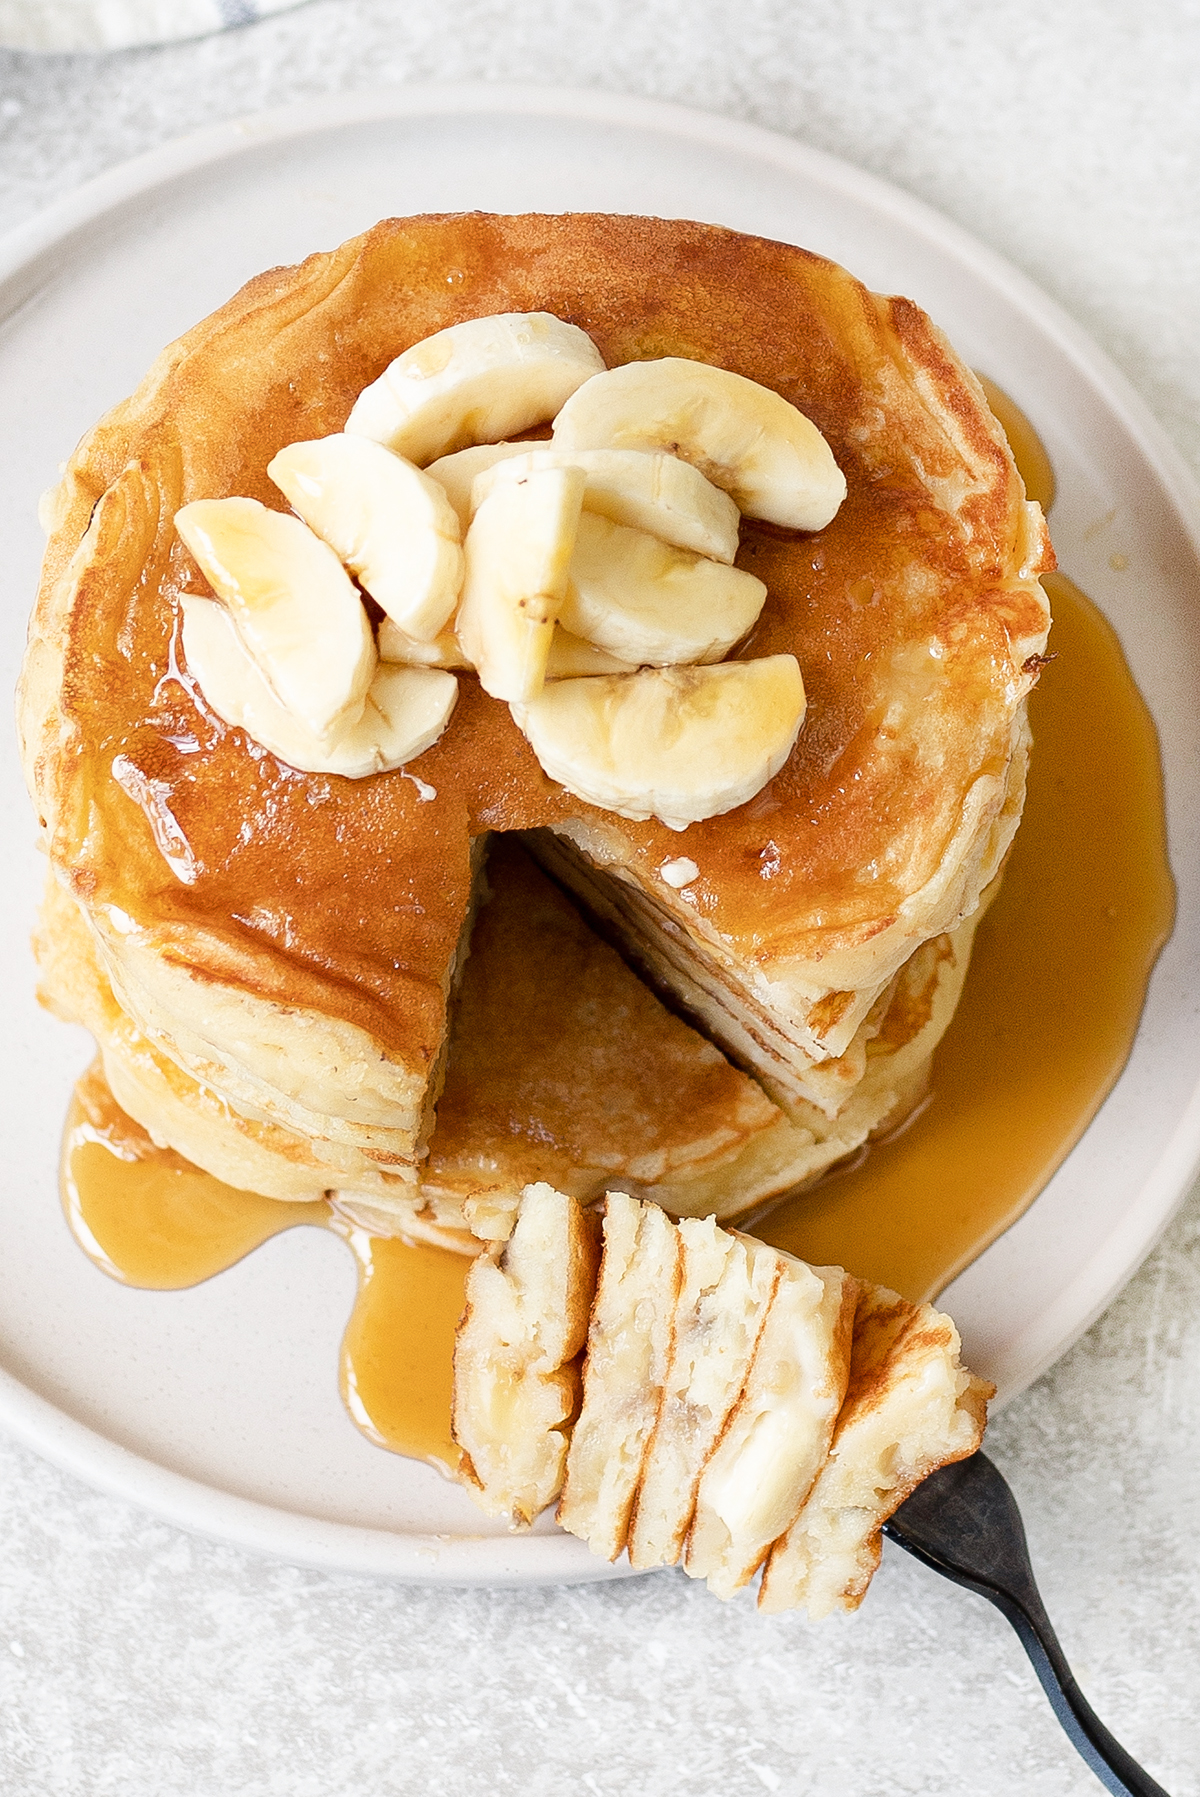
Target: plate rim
column 55, row 224
column 35, row 248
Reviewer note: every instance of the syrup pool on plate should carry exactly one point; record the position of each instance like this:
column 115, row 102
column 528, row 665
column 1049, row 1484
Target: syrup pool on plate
column 1044, row 1027
column 149, row 1218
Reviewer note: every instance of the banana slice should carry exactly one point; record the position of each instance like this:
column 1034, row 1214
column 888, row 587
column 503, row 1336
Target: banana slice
column 747, row 440
column 650, row 604
column 390, row 524
column 656, row 493
column 679, row 744
column 477, row 382
column 405, row 711
column 569, row 655
column 295, row 606
column 570, row 658
column 457, row 472
column 518, row 561
column 396, row 645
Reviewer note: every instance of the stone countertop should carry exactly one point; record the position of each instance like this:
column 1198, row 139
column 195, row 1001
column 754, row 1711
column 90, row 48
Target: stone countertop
column 140, row 1660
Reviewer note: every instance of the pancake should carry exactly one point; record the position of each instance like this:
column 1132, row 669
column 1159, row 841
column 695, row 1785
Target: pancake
column 517, row 1352
column 910, row 1407
column 292, row 941
column 734, row 1408
column 562, row 1066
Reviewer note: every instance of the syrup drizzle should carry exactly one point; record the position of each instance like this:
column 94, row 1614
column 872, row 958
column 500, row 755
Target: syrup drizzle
column 149, row 1218
column 1051, row 1004
column 398, row 1350
column 1029, row 452
column 1046, row 1022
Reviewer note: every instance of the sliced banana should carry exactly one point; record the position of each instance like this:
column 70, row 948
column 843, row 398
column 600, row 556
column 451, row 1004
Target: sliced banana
column 396, row 645
column 747, row 440
column 296, row 608
column 457, row 473
column 414, row 706
column 647, row 491
column 679, row 744
column 477, row 382
column 570, row 657
column 653, row 605
column 518, row 561
column 390, row 524
column 405, row 712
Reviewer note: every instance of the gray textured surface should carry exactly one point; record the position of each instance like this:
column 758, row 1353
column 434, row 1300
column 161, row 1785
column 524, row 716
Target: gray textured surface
column 115, row 24
column 137, row 1660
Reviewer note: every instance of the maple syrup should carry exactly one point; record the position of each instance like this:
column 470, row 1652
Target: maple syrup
column 149, row 1218
column 398, row 1350
column 1052, row 1000
column 1058, row 973
column 1047, row 1019
column 144, row 1214
column 1029, row 452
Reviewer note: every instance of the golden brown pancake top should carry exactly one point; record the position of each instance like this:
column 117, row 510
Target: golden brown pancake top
column 907, row 615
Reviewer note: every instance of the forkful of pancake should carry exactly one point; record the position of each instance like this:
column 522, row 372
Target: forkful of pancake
column 687, row 1395
column 695, row 1397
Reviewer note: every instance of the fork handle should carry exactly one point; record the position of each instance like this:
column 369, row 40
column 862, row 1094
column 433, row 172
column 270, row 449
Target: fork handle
column 1117, row 1771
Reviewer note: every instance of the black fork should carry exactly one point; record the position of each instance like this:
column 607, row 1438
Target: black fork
column 964, row 1522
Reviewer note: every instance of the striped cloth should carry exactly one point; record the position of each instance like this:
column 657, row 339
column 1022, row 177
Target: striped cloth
column 118, row 24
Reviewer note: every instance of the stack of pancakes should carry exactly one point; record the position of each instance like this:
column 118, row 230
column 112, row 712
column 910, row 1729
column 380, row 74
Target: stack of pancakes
column 279, row 966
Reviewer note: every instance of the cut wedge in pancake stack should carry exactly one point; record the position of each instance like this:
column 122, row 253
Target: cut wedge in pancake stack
column 735, row 1409
column 562, row 1066
column 266, row 776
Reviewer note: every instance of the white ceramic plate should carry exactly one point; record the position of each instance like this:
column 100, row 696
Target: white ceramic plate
column 218, row 1407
